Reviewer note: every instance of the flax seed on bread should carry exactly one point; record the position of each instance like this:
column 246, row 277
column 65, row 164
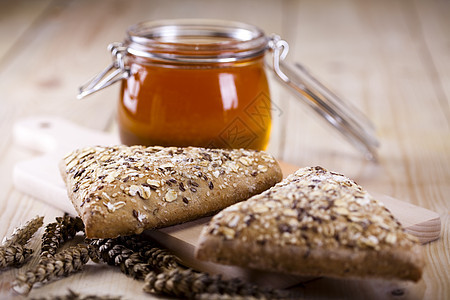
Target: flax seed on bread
column 122, row 190
column 314, row 222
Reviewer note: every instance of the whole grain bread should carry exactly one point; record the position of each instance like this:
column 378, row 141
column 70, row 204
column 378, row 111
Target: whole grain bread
column 314, row 222
column 122, row 190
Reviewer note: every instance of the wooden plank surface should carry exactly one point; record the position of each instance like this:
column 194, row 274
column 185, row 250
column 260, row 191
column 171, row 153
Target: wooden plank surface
column 389, row 58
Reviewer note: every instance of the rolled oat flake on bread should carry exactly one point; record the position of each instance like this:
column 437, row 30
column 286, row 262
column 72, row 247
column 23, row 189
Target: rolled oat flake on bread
column 123, row 190
column 313, row 223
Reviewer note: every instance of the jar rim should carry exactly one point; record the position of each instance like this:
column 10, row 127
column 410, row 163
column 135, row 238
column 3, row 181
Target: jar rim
column 195, row 40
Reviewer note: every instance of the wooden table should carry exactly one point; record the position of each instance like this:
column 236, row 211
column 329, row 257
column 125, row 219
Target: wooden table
column 389, row 58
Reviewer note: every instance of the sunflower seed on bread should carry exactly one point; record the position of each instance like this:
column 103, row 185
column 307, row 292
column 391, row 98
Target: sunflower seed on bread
column 123, row 190
column 317, row 223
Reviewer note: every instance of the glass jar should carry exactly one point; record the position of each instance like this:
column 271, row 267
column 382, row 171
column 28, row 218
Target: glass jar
column 192, row 82
column 195, row 83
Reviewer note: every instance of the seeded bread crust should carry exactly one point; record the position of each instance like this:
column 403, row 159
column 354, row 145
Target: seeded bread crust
column 123, row 190
column 313, row 223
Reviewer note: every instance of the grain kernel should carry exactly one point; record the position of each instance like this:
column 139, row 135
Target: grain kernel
column 171, row 196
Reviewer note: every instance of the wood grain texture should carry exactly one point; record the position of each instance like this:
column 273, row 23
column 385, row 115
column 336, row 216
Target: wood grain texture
column 391, row 59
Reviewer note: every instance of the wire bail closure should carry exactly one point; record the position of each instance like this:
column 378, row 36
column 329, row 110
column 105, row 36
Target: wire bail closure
column 115, row 72
column 280, row 49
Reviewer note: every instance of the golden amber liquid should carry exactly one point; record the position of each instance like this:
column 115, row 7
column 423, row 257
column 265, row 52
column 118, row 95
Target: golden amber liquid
column 215, row 106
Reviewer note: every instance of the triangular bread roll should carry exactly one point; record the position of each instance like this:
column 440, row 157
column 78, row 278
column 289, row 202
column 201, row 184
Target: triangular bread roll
column 122, row 190
column 317, row 223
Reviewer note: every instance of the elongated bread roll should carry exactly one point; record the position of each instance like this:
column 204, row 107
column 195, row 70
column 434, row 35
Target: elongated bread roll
column 122, row 190
column 314, row 222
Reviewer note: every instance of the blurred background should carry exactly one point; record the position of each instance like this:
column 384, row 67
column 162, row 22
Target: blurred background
column 374, row 54
column 389, row 58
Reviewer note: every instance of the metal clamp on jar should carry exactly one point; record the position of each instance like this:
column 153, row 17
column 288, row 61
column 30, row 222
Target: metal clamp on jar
column 196, row 82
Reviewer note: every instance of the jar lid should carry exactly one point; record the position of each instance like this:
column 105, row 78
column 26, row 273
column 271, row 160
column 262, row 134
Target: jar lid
column 348, row 120
column 194, row 41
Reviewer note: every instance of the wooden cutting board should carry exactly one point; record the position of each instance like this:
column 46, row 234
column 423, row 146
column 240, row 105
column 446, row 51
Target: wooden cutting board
column 55, row 137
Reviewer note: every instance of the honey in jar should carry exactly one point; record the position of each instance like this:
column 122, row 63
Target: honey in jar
column 195, row 83
column 212, row 105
